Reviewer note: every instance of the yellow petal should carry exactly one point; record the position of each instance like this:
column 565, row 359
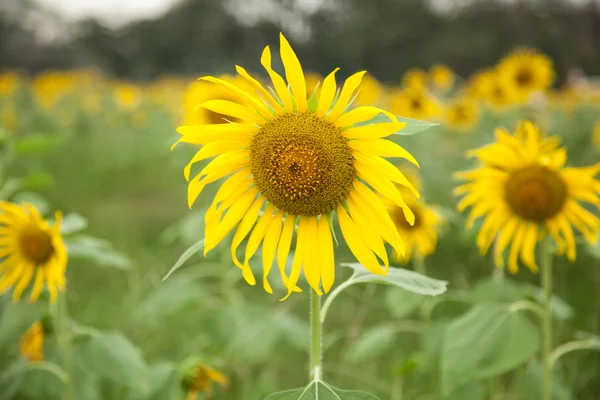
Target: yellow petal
column 234, row 110
column 245, row 226
column 381, row 166
column 38, row 284
column 260, row 107
column 506, row 234
column 326, row 254
column 23, row 282
column 257, row 85
column 350, row 86
column 312, row 267
column 278, row 82
column 285, row 241
column 373, row 131
column 528, row 248
column 369, row 235
column 211, row 150
column 293, row 73
column 258, row 233
column 298, row 254
column 357, row 115
column 381, row 148
column 327, row 93
column 357, row 245
column 516, row 247
column 270, row 246
column 567, row 233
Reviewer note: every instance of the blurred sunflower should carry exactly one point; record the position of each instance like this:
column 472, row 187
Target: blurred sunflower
column 499, row 94
column 442, row 77
column 462, row 113
column 300, row 164
column 52, row 86
column 528, row 71
column 414, row 103
column 420, row 238
column 30, row 247
column 477, row 84
column 370, row 91
column 201, row 91
column 596, row 135
column 31, row 344
column 529, row 195
column 200, row 380
column 127, row 95
column 415, row 78
column 9, row 83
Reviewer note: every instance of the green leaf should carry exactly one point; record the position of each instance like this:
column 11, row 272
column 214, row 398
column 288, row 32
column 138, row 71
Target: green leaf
column 475, row 390
column 487, row 341
column 37, row 144
column 16, row 318
column 31, row 197
column 412, row 125
column 492, row 291
column 96, row 250
column 372, row 343
column 321, row 391
column 560, row 309
column 399, row 277
column 112, row 356
column 402, row 303
column 72, row 223
column 11, row 377
column 530, row 382
column 193, row 249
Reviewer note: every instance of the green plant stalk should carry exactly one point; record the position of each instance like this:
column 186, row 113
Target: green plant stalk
column 546, row 277
column 419, row 263
column 315, row 336
column 64, row 341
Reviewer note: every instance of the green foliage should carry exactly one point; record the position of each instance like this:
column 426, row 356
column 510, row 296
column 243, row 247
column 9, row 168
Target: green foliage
column 15, row 318
column 489, row 340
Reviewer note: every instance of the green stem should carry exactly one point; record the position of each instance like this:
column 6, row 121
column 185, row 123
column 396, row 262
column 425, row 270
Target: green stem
column 546, row 277
column 64, row 340
column 585, row 344
column 315, row 336
column 419, row 263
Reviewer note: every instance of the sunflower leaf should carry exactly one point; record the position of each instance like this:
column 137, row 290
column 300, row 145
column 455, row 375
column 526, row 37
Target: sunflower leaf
column 399, row 277
column 412, row 125
column 319, row 390
column 193, row 249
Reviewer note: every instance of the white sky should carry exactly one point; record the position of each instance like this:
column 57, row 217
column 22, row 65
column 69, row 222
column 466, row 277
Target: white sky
column 112, row 11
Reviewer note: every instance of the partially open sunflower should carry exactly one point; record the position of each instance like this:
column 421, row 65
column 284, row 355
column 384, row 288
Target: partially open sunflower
column 524, row 191
column 292, row 165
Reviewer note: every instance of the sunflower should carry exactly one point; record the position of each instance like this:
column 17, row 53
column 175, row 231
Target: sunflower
column 462, row 113
column 499, row 94
column 31, row 344
column 202, row 91
column 420, row 238
column 525, row 193
column 442, row 77
column 415, row 78
column 528, row 71
column 596, row 135
column 414, row 103
column 294, row 164
column 127, row 95
column 200, row 379
column 9, row 84
column 477, row 83
column 30, row 247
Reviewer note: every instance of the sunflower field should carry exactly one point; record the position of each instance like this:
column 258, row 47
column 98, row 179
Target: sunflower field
column 283, row 234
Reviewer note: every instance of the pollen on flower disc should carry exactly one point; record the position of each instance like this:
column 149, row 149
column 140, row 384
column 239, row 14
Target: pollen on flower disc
column 302, row 164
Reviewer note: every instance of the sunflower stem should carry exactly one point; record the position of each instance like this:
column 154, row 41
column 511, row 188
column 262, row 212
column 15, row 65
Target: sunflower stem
column 546, row 277
column 419, row 263
column 64, row 340
column 315, row 336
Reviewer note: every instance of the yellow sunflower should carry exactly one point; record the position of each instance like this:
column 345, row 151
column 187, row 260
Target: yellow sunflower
column 528, row 71
column 298, row 163
column 524, row 193
column 596, row 135
column 127, row 95
column 30, row 247
column 499, row 94
column 9, row 83
column 31, row 344
column 420, row 238
column 415, row 103
column 415, row 78
column 462, row 113
column 201, row 380
column 442, row 77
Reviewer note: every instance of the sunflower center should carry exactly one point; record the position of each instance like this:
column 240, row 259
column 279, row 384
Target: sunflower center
column 524, row 77
column 36, row 245
column 416, row 104
column 536, row 193
column 302, row 164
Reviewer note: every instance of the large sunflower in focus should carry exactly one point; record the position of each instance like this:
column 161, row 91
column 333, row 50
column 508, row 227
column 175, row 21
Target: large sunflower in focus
column 32, row 250
column 528, row 71
column 293, row 164
column 524, row 192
